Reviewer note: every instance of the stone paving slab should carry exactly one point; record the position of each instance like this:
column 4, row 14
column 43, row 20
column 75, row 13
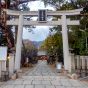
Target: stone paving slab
column 85, row 83
column 49, row 86
column 81, row 87
column 30, row 77
column 65, row 83
column 65, row 79
column 55, row 83
column 29, row 86
column 75, row 83
column 38, row 77
column 27, row 82
column 60, row 87
column 70, row 87
column 39, row 86
column 17, row 82
column 9, row 86
column 9, row 82
column 34, row 82
column 47, row 79
column 19, row 86
column 46, row 82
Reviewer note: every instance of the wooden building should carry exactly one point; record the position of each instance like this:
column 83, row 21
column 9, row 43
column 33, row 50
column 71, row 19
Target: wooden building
column 42, row 55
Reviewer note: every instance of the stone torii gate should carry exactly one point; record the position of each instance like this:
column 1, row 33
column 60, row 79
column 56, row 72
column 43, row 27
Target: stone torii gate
column 44, row 13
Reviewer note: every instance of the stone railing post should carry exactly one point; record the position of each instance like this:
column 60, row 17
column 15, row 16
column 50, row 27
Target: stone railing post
column 87, row 61
column 11, row 64
column 71, row 63
column 78, row 61
column 83, row 62
column 3, row 65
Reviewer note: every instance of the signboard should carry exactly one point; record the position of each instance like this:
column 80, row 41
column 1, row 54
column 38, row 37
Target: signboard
column 42, row 15
column 3, row 53
column 59, row 66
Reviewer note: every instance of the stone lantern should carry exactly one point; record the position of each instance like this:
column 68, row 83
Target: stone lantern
column 13, row 50
column 70, row 50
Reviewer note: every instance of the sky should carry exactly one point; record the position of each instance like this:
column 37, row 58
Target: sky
column 40, row 32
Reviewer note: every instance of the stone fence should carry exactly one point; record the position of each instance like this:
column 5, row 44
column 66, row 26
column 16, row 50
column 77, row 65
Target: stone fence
column 78, row 64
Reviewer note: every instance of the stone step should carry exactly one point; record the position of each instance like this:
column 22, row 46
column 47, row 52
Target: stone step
column 43, row 77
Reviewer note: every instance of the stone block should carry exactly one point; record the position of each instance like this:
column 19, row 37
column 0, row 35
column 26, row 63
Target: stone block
column 50, row 86
column 60, row 87
column 13, row 77
column 29, row 86
column 70, row 87
column 77, row 70
column 25, row 77
column 75, row 83
column 65, row 83
column 26, row 82
column 11, row 64
column 46, row 77
column 9, row 82
column 39, row 86
column 83, row 70
column 83, row 74
column 38, row 77
column 19, row 86
column 30, row 77
column 74, row 76
column 36, row 82
column 17, row 82
column 52, row 77
column 46, row 82
column 9, row 86
column 55, row 83
column 65, row 72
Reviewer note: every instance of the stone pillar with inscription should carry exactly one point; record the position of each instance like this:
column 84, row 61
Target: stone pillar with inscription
column 3, row 65
column 71, row 63
column 83, row 66
column 11, row 64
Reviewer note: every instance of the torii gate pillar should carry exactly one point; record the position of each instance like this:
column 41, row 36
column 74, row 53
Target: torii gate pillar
column 65, row 41
column 19, row 44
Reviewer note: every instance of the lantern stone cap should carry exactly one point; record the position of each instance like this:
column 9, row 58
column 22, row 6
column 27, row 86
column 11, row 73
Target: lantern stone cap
column 13, row 49
column 70, row 49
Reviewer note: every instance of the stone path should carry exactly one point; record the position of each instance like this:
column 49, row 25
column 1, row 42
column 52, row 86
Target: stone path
column 42, row 76
column 42, row 69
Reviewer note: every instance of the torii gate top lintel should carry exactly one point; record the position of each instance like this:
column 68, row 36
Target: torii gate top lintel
column 49, row 13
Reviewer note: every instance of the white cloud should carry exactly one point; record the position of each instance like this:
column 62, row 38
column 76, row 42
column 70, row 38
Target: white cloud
column 34, row 6
column 40, row 33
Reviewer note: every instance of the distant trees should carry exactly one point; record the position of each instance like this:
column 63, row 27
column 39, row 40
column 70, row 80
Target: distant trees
column 53, row 45
column 29, row 50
